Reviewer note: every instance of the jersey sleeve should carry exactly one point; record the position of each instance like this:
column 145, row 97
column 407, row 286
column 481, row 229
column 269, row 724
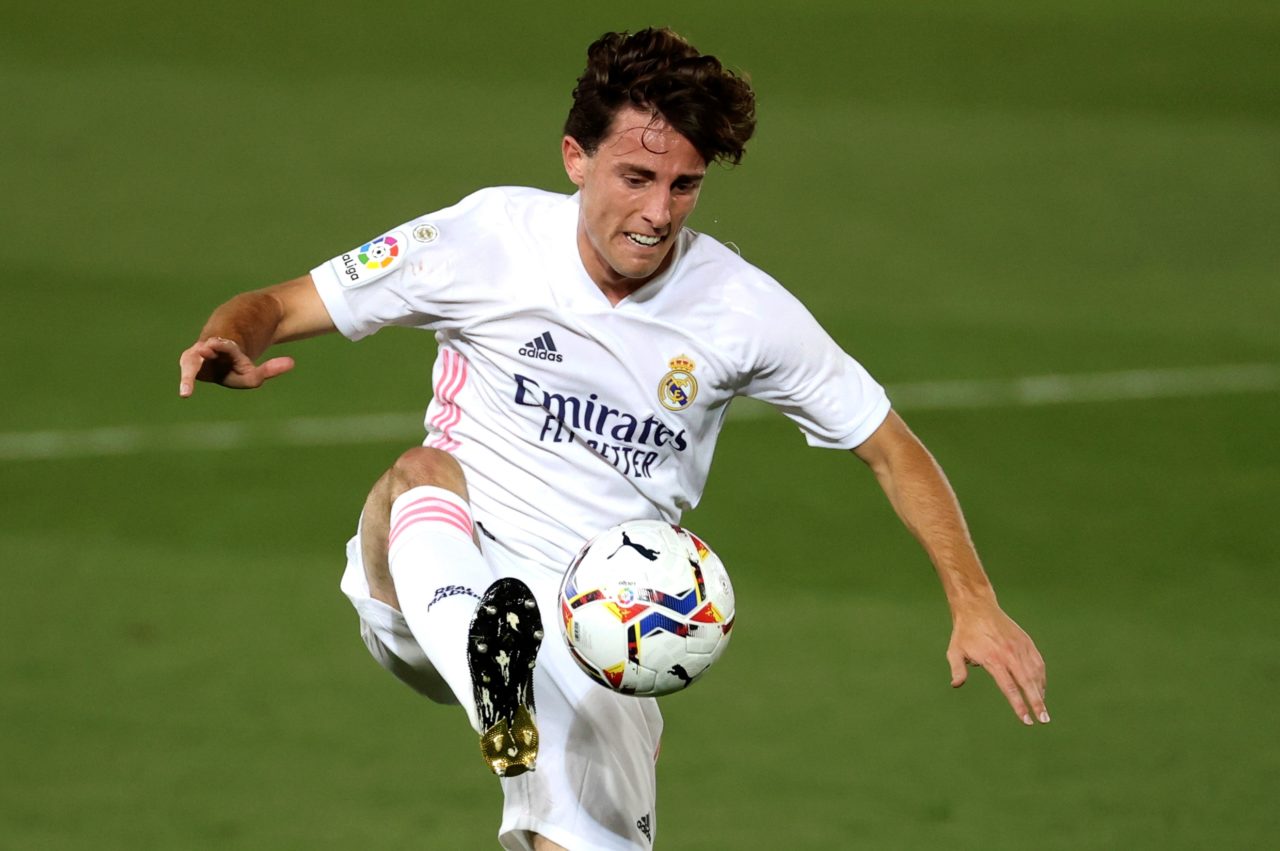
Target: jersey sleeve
column 427, row 273
column 805, row 374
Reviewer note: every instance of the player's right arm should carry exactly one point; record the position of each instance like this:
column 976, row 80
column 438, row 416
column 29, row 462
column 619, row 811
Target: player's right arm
column 241, row 330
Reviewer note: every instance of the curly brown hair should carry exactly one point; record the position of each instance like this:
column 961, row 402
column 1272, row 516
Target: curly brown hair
column 659, row 71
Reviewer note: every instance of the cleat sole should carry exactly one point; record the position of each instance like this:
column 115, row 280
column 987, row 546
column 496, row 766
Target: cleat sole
column 503, row 679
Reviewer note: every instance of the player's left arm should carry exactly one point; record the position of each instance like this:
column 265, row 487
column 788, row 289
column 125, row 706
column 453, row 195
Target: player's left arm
column 982, row 634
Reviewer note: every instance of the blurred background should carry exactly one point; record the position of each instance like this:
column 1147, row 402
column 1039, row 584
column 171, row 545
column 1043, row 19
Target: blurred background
column 970, row 197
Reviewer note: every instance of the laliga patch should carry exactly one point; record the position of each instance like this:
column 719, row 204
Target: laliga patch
column 372, row 260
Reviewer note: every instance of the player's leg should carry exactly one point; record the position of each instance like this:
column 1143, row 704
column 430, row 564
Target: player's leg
column 596, row 784
column 421, row 556
column 541, row 843
column 419, row 466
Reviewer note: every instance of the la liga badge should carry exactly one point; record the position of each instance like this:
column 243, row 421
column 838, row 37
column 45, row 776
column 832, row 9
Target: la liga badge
column 372, row 260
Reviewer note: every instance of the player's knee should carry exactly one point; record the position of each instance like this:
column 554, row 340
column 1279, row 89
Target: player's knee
column 424, row 465
column 541, row 843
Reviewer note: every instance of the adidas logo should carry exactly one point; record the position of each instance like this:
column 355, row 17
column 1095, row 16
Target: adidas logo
column 542, row 347
column 643, row 825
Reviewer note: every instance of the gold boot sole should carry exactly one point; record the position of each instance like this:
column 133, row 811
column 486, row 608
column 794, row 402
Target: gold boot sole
column 511, row 751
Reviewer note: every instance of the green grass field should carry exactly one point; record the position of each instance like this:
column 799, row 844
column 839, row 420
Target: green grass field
column 989, row 190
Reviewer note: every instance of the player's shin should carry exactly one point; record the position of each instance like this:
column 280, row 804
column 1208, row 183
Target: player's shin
column 439, row 576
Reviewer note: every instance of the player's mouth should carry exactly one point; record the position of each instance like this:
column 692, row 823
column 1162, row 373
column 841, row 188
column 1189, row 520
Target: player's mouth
column 644, row 240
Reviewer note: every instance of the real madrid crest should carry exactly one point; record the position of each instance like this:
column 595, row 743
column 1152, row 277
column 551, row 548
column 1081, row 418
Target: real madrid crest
column 678, row 388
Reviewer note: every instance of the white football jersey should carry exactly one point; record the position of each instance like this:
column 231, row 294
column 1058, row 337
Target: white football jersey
column 570, row 414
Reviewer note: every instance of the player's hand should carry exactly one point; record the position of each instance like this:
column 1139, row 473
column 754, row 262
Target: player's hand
column 221, row 361
column 988, row 638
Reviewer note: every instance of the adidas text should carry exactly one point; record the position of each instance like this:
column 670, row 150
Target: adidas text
column 542, row 347
column 542, row 354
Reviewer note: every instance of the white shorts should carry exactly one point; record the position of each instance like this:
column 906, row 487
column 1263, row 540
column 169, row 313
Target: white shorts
column 595, row 785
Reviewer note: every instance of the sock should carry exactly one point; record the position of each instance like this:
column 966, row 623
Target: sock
column 439, row 575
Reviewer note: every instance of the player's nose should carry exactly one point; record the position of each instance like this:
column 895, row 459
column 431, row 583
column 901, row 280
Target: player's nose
column 657, row 208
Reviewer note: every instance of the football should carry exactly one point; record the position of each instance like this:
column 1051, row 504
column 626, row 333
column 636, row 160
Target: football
column 646, row 608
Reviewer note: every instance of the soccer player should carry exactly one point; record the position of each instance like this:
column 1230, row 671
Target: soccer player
column 588, row 349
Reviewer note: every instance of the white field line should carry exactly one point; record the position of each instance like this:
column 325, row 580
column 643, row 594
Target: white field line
column 1028, row 391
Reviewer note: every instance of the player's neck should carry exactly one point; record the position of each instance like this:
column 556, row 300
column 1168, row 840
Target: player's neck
column 614, row 286
column 616, row 291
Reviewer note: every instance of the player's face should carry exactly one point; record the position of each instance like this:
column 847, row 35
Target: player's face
column 637, row 190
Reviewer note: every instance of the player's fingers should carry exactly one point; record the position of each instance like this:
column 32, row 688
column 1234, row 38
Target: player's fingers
column 275, row 366
column 1012, row 693
column 240, row 362
column 959, row 670
column 241, row 372
column 189, row 363
column 1031, row 679
column 247, row 376
column 1040, row 709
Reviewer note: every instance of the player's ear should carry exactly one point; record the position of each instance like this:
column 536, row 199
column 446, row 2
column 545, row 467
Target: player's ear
column 575, row 160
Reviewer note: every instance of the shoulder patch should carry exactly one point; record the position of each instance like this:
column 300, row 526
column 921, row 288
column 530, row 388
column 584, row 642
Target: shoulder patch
column 370, row 261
